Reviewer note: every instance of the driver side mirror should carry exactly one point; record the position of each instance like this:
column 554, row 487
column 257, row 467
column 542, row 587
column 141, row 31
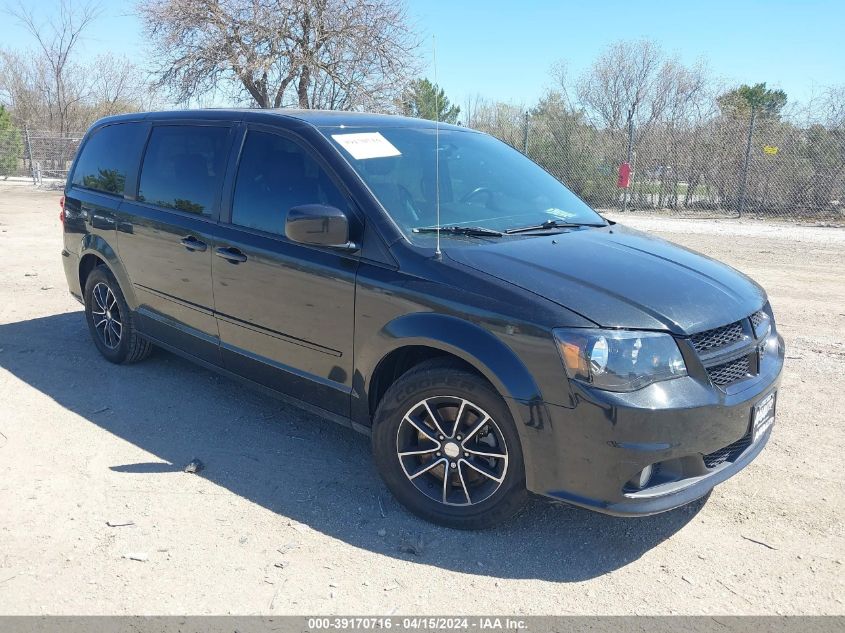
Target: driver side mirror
column 319, row 225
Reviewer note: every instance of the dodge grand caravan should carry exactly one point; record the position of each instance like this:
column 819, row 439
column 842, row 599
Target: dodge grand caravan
column 527, row 345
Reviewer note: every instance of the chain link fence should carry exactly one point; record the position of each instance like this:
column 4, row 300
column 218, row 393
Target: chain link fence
column 42, row 156
column 793, row 173
column 788, row 172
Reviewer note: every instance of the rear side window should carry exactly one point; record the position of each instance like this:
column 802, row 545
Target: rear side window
column 274, row 175
column 107, row 157
column 183, row 167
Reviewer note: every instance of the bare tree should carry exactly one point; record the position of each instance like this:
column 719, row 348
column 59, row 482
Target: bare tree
column 624, row 89
column 107, row 85
column 473, row 104
column 50, row 89
column 622, row 85
column 335, row 54
column 58, row 38
column 505, row 121
column 115, row 84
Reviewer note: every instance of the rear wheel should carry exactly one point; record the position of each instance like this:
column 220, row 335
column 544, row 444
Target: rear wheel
column 110, row 321
column 447, row 448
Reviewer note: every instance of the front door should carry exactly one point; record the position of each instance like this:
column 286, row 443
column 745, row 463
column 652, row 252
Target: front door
column 165, row 234
column 285, row 311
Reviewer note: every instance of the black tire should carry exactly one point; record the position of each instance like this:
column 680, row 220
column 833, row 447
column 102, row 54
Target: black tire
column 434, row 383
column 105, row 322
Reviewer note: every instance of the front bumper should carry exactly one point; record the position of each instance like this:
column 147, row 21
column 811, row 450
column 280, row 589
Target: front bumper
column 586, row 455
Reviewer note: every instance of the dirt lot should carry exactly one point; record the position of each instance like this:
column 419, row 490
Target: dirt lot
column 289, row 515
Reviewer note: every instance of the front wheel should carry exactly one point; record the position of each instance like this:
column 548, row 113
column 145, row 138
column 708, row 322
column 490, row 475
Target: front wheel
column 447, row 448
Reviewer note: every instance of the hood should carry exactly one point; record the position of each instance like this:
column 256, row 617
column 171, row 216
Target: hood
column 619, row 277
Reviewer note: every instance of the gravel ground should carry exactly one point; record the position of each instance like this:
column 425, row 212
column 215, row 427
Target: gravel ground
column 289, row 516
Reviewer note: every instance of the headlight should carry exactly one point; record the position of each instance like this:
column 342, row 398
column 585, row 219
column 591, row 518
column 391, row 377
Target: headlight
column 619, row 360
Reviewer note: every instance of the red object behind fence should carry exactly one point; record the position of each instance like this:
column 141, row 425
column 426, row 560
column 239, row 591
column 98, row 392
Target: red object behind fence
column 624, row 176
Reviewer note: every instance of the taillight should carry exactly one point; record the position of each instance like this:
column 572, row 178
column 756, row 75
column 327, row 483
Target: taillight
column 62, row 212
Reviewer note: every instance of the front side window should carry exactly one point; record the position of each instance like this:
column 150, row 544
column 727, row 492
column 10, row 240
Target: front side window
column 482, row 181
column 275, row 174
column 107, row 157
column 183, row 167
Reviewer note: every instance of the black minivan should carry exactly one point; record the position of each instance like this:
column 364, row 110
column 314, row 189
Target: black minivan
column 434, row 288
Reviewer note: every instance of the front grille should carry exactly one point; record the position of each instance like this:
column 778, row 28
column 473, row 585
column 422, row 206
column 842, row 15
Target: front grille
column 758, row 317
column 729, row 372
column 729, row 453
column 717, row 337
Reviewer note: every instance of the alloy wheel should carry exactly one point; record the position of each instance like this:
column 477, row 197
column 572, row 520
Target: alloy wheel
column 452, row 451
column 106, row 316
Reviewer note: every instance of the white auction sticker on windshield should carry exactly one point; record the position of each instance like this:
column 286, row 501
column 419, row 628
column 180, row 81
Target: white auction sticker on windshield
column 559, row 213
column 364, row 145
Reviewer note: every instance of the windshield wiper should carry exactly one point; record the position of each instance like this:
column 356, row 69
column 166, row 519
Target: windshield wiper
column 476, row 231
column 549, row 224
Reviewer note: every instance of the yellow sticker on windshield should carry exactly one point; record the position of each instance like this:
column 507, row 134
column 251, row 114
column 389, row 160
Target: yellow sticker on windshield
column 365, row 145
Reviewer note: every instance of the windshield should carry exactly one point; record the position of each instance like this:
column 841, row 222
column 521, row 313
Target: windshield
column 483, row 182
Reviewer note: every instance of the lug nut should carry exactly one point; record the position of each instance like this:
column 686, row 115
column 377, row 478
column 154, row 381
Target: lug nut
column 458, row 438
column 441, row 437
column 438, row 453
column 466, row 454
column 453, row 465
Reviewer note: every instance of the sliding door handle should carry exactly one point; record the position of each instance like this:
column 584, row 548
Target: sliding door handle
column 193, row 244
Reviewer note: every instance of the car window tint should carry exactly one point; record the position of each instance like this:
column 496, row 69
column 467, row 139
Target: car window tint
column 274, row 175
column 183, row 167
column 107, row 156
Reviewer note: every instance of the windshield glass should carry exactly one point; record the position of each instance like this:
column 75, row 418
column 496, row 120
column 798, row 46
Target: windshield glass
column 483, row 182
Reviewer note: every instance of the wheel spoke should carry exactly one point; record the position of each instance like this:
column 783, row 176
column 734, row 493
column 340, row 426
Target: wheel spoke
column 114, row 331
column 113, row 299
column 464, row 483
column 484, row 420
column 484, row 471
column 435, row 419
column 459, row 415
column 472, row 451
column 99, row 298
column 446, row 474
column 426, row 451
column 422, row 428
column 100, row 322
column 427, row 468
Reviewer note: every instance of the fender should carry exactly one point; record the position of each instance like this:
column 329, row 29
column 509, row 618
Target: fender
column 93, row 244
column 478, row 347
column 469, row 342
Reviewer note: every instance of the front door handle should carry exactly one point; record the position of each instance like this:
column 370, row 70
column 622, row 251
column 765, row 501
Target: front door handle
column 193, row 244
column 231, row 254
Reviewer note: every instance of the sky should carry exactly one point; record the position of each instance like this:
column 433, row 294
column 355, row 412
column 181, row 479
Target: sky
column 504, row 49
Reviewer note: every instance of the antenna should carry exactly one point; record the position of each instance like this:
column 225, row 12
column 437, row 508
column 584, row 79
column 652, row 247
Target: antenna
column 437, row 253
